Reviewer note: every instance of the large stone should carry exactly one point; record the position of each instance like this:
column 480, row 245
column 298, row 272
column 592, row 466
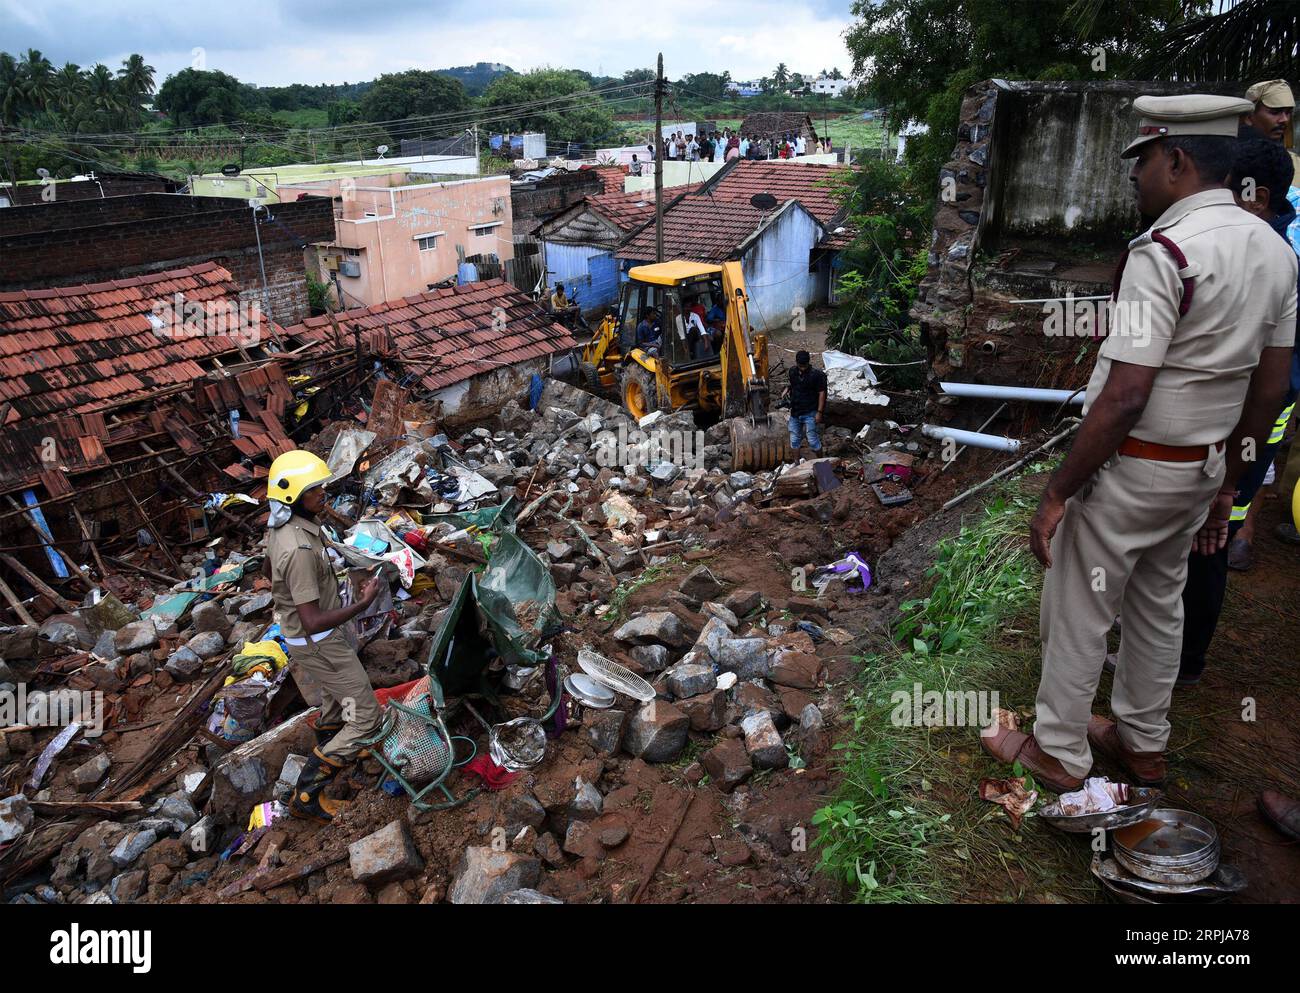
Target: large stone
column 128, row 886
column 138, row 636
column 20, row 642
column 709, row 644
column 523, row 810
column 604, row 729
column 15, row 817
column 207, row 644
column 386, row 855
column 701, row 584
column 587, row 802
column 67, row 629
column 486, row 876
column 202, row 836
column 748, row 658
column 803, row 672
column 763, row 741
column 184, row 665
column 688, row 679
column 211, row 617
column 741, row 602
column 132, row 847
column 727, row 764
column 651, row 658
column 106, row 645
column 178, row 809
column 582, row 841
column 657, row 626
column 254, row 605
column 657, row 732
column 246, row 776
column 716, row 610
column 87, row 775
column 706, row 712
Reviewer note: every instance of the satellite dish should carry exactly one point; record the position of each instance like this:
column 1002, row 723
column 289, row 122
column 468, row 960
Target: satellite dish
column 763, row 201
column 230, row 169
column 43, row 173
column 382, row 149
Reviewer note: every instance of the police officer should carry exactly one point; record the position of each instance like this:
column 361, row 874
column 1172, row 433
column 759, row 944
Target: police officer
column 1193, row 368
column 312, row 618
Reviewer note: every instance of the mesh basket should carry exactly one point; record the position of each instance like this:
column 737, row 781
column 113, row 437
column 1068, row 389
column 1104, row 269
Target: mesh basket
column 615, row 676
column 416, row 743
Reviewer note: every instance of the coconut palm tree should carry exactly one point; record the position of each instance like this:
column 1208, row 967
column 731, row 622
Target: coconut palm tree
column 38, row 79
column 136, row 78
column 781, row 76
column 103, row 97
column 12, row 95
column 69, row 87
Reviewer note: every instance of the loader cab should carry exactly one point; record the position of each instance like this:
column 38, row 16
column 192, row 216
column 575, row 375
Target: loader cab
column 676, row 290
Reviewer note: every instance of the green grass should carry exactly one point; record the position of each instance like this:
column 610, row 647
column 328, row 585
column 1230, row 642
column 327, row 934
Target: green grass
column 906, row 823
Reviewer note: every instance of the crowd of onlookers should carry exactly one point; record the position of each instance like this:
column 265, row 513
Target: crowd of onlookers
column 725, row 145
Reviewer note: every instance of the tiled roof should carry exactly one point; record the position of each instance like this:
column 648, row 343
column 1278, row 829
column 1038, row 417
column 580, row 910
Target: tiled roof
column 627, row 210
column 612, row 177
column 698, row 228
column 810, row 184
column 455, row 326
column 75, row 348
column 838, row 239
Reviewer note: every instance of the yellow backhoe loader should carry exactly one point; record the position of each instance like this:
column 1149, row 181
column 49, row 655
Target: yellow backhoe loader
column 718, row 366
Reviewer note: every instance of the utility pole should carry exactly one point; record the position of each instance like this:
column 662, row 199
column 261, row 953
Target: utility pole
column 659, row 161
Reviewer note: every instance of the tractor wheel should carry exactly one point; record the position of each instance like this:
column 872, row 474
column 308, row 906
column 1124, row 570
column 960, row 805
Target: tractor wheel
column 589, row 377
column 640, row 392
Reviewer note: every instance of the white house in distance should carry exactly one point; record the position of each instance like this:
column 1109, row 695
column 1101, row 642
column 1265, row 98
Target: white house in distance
column 831, row 87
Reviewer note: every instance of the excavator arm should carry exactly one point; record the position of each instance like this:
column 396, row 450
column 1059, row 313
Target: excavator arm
column 758, row 440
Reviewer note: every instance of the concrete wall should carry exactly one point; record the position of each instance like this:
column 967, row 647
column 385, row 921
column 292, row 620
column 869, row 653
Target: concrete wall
column 776, row 269
column 262, row 184
column 483, row 395
column 1040, row 208
column 92, row 240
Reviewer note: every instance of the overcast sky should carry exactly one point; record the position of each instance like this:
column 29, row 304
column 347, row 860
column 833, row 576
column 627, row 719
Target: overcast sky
column 274, row 42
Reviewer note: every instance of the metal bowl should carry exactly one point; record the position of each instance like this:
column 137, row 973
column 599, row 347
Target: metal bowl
column 588, row 691
column 1225, row 881
column 1141, row 802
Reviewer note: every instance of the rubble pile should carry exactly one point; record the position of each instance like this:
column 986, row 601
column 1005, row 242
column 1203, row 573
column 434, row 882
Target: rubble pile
column 179, row 788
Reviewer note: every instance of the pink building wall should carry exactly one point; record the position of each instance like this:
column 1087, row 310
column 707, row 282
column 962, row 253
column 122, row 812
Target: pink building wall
column 382, row 219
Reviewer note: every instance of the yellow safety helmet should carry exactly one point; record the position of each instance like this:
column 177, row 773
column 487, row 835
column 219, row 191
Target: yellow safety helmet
column 293, row 473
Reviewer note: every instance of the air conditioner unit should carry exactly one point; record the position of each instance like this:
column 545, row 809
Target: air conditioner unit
column 349, row 267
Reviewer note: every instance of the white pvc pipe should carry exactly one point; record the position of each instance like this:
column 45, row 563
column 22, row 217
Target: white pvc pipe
column 972, row 438
column 985, row 392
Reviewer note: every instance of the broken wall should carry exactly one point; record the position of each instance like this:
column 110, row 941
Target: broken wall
column 1034, row 205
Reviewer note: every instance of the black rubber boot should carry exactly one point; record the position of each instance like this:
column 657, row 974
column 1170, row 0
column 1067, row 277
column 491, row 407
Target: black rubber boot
column 308, row 801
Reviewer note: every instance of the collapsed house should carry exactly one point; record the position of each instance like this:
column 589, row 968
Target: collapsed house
column 472, row 347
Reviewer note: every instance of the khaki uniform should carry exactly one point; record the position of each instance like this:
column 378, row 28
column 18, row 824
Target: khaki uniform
column 300, row 573
column 1122, row 545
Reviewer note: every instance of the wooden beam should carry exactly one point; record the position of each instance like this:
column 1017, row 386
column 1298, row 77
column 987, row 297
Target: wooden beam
column 17, row 604
column 37, row 583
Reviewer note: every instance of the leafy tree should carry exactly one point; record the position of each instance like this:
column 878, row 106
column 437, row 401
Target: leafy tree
column 413, row 93
column 583, row 118
column 921, row 54
column 194, row 97
column 639, row 76
column 342, row 112
column 781, row 76
column 705, row 84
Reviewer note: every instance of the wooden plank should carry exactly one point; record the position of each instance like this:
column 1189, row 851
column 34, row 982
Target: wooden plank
column 37, row 583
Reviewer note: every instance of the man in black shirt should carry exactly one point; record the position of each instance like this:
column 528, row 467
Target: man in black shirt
column 807, row 403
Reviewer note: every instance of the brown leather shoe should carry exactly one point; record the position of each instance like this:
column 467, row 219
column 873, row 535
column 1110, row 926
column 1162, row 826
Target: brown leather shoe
column 1282, row 811
column 1145, row 768
column 1011, row 746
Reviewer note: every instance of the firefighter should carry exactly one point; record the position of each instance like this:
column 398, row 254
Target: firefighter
column 312, row 622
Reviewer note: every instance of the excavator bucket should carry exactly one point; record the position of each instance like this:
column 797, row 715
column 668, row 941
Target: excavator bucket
column 759, row 443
